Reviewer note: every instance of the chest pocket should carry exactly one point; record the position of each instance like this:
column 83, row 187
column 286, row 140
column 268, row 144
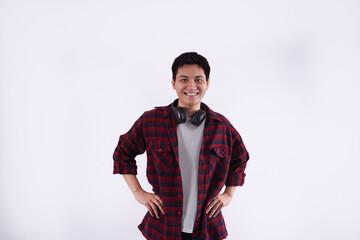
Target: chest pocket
column 219, row 162
column 163, row 156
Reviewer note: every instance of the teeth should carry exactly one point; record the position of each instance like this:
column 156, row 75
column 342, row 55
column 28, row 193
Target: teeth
column 191, row 94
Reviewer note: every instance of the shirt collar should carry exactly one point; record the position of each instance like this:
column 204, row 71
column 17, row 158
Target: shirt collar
column 209, row 113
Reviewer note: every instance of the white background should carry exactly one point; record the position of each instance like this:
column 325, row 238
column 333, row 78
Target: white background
column 75, row 75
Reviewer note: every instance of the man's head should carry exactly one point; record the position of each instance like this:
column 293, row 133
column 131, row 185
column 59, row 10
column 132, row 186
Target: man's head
column 190, row 80
column 190, row 58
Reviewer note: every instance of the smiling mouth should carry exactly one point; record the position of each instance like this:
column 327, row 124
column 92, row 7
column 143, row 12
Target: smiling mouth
column 191, row 94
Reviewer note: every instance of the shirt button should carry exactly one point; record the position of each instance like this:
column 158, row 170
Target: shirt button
column 179, row 213
column 179, row 195
column 178, row 177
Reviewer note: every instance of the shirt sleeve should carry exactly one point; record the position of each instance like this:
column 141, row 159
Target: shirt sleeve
column 239, row 158
column 129, row 146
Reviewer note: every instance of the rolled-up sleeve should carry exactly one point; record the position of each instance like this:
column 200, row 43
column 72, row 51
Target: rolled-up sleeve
column 239, row 158
column 129, row 146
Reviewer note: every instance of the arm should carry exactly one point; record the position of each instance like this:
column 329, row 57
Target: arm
column 151, row 201
column 130, row 145
column 236, row 175
column 222, row 200
column 230, row 190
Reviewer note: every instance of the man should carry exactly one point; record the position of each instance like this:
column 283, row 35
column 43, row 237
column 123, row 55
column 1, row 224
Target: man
column 192, row 152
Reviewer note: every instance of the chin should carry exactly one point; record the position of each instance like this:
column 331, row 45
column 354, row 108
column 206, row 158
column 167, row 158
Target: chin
column 190, row 103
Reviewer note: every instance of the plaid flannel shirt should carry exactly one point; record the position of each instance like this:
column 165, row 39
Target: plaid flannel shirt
column 222, row 161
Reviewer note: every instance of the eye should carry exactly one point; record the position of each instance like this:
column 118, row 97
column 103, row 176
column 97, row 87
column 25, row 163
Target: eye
column 198, row 80
column 182, row 79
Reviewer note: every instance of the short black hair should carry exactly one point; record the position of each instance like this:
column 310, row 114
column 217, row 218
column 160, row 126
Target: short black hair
column 190, row 58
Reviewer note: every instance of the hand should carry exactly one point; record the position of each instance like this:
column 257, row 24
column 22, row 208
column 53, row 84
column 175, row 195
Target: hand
column 215, row 205
column 151, row 201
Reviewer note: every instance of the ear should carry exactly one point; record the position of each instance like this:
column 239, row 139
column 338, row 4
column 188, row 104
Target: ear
column 207, row 83
column 173, row 83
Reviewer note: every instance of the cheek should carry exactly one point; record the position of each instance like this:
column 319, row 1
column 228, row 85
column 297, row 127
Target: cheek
column 203, row 89
column 179, row 90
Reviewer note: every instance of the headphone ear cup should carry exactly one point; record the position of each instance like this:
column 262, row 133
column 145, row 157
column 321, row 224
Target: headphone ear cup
column 179, row 115
column 198, row 117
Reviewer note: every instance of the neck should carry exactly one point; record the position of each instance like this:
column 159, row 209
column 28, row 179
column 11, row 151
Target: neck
column 190, row 110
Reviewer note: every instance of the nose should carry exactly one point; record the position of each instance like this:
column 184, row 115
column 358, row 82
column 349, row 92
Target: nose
column 191, row 84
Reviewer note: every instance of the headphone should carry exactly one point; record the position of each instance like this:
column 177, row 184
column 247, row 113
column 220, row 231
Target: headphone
column 179, row 115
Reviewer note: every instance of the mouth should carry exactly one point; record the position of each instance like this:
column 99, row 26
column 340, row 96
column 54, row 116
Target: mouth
column 191, row 94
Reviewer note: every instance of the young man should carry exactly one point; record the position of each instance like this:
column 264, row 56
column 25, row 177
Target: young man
column 192, row 152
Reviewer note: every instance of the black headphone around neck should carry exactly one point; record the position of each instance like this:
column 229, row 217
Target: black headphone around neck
column 179, row 115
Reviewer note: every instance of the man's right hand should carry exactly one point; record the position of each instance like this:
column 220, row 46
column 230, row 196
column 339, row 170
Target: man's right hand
column 151, row 201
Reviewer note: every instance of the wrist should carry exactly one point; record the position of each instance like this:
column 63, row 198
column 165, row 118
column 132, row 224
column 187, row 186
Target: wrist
column 137, row 190
column 230, row 190
column 228, row 194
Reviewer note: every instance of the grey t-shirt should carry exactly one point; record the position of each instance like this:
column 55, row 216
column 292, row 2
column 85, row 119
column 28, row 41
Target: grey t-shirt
column 189, row 142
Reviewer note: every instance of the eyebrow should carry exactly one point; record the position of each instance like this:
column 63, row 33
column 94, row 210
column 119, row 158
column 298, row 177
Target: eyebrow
column 199, row 76
column 183, row 76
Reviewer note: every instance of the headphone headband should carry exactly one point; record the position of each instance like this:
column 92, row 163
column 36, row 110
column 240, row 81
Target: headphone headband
column 179, row 114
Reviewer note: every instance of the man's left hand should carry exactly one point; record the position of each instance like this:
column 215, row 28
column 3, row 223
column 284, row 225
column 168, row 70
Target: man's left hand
column 214, row 206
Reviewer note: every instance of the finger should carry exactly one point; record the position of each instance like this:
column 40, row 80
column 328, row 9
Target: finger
column 161, row 208
column 159, row 205
column 158, row 198
column 210, row 201
column 150, row 210
column 213, row 210
column 218, row 211
column 212, row 204
column 154, row 209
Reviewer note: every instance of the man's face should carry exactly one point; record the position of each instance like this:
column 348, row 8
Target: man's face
column 190, row 85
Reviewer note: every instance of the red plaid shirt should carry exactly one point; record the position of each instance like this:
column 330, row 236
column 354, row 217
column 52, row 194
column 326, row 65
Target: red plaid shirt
column 222, row 161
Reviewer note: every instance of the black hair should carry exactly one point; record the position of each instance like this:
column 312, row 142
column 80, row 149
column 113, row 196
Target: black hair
column 190, row 58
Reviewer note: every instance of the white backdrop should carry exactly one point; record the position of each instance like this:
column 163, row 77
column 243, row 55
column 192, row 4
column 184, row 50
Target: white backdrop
column 77, row 74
